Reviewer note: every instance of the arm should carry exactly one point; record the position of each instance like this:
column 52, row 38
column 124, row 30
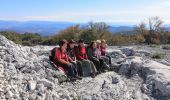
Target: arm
column 90, row 54
column 77, row 53
column 58, row 58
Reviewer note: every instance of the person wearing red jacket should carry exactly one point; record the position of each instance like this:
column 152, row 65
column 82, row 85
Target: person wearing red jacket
column 61, row 59
column 71, row 51
column 88, row 68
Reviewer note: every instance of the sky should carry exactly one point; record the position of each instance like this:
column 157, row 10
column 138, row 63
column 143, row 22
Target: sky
column 110, row 11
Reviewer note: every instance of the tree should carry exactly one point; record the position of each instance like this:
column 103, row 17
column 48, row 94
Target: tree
column 155, row 25
column 154, row 32
column 72, row 32
column 141, row 28
column 100, row 29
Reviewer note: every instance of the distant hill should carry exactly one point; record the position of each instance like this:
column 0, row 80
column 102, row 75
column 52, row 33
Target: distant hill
column 116, row 29
column 48, row 28
column 44, row 28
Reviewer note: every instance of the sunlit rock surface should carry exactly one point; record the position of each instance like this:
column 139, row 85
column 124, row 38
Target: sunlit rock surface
column 26, row 74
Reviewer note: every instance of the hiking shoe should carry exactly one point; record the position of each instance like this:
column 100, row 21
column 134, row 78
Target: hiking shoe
column 103, row 70
column 111, row 68
column 93, row 75
column 72, row 78
column 98, row 72
column 78, row 77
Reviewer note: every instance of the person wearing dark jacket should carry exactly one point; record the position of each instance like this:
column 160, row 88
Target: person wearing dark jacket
column 72, row 56
column 61, row 59
column 88, row 68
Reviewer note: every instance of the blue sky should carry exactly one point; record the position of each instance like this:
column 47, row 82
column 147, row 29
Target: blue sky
column 116, row 11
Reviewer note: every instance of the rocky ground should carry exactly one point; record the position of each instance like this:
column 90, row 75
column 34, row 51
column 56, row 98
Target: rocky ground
column 26, row 74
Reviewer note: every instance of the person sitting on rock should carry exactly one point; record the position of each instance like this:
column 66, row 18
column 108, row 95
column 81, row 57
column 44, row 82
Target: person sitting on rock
column 61, row 59
column 88, row 68
column 103, row 48
column 94, row 55
column 72, row 56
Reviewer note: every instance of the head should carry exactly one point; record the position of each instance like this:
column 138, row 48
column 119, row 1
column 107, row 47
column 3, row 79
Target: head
column 72, row 43
column 63, row 44
column 98, row 43
column 81, row 43
column 103, row 43
column 93, row 44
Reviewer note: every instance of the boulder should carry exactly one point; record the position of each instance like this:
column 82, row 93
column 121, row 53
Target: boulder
column 156, row 75
column 128, row 51
column 46, row 83
column 32, row 85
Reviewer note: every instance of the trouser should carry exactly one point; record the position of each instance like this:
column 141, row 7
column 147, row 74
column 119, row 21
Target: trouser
column 87, row 67
column 71, row 69
column 100, row 63
column 107, row 59
column 79, row 67
column 97, row 63
column 110, row 59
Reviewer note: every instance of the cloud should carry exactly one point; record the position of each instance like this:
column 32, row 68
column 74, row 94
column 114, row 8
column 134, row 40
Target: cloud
column 132, row 14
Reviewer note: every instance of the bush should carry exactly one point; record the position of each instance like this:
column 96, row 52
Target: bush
column 166, row 47
column 158, row 56
column 154, row 46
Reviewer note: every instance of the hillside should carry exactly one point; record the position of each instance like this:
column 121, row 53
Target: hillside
column 25, row 73
column 47, row 28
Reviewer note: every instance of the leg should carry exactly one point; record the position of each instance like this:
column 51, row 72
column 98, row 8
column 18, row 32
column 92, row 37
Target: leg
column 106, row 59
column 110, row 59
column 70, row 69
column 96, row 63
column 86, row 68
column 93, row 67
column 74, row 68
column 79, row 68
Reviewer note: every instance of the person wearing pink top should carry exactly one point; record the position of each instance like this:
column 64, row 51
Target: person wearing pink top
column 103, row 48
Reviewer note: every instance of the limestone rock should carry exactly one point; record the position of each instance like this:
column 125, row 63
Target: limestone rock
column 27, row 74
column 47, row 83
column 128, row 51
column 32, row 85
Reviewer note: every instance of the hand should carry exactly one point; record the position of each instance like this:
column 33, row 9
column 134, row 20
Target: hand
column 74, row 62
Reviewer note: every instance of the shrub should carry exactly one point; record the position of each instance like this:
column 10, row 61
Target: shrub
column 166, row 47
column 154, row 46
column 158, row 56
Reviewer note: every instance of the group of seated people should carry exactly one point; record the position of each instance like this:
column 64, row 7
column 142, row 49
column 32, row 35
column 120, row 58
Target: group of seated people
column 77, row 60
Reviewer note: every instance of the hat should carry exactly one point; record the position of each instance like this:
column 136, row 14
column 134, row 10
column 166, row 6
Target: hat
column 98, row 41
column 62, row 42
column 103, row 41
column 81, row 41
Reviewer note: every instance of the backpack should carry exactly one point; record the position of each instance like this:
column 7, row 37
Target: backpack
column 52, row 56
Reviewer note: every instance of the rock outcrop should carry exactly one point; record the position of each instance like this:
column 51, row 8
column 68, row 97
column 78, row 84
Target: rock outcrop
column 26, row 73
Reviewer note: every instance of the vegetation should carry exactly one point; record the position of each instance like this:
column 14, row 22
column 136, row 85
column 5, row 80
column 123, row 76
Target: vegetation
column 28, row 39
column 158, row 56
column 153, row 32
column 166, row 47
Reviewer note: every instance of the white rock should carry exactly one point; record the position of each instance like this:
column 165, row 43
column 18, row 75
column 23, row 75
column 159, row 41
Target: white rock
column 32, row 85
column 1, row 70
column 32, row 96
column 47, row 83
column 128, row 51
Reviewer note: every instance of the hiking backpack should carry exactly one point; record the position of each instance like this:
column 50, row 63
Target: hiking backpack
column 52, row 56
